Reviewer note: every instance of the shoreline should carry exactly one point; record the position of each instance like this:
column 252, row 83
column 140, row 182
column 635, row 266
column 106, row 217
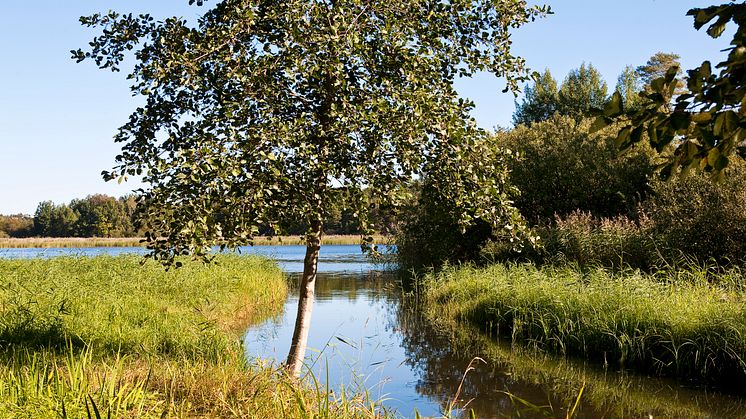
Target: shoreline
column 82, row 242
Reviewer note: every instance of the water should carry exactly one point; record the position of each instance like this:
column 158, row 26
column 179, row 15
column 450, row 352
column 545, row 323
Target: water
column 366, row 334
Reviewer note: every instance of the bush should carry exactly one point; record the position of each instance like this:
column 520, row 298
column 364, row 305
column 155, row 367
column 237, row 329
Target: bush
column 16, row 226
column 617, row 242
column 563, row 167
column 700, row 218
column 460, row 205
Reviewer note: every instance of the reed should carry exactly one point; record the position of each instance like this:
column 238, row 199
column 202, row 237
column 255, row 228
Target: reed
column 89, row 337
column 676, row 323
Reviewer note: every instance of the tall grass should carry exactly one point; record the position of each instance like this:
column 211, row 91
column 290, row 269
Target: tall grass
column 109, row 335
column 673, row 323
column 78, row 242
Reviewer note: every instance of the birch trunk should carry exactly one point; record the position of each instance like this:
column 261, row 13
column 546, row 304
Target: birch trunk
column 305, row 302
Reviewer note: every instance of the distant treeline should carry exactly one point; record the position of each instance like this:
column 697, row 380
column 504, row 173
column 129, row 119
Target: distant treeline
column 105, row 216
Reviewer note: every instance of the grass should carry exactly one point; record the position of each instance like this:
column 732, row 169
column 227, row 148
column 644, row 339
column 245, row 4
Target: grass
column 77, row 242
column 109, row 335
column 671, row 323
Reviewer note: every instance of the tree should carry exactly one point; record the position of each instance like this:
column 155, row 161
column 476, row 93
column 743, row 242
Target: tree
column 582, row 90
column 52, row 220
column 657, row 66
column 706, row 126
column 539, row 101
column 100, row 216
column 629, row 86
column 253, row 112
column 563, row 167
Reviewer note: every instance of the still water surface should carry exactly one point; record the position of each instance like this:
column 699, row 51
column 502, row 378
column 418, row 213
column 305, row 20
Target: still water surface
column 367, row 333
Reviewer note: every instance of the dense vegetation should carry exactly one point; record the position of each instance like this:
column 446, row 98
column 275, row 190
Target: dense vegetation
column 588, row 203
column 105, row 216
column 134, row 340
column 674, row 323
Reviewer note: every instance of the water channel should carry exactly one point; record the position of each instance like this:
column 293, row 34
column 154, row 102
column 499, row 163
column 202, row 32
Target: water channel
column 368, row 334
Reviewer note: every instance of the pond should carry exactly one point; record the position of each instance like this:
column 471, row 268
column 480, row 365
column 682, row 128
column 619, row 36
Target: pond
column 367, row 334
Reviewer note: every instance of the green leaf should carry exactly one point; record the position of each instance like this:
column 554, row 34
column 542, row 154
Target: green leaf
column 613, row 107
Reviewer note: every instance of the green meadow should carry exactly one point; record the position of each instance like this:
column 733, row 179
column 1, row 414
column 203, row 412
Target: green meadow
column 109, row 336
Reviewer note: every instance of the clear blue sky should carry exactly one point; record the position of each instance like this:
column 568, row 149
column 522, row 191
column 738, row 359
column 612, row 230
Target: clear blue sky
column 57, row 118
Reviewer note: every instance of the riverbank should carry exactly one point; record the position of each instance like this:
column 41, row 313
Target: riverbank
column 109, row 335
column 676, row 323
column 81, row 242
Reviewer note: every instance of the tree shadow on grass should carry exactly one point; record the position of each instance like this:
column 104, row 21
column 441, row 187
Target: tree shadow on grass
column 50, row 336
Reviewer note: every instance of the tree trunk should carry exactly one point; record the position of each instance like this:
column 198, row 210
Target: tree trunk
column 305, row 301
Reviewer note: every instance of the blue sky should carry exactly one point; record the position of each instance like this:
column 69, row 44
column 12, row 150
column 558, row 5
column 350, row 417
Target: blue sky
column 57, row 118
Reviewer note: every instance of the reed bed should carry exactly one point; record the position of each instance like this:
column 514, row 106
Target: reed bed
column 109, row 336
column 80, row 242
column 688, row 324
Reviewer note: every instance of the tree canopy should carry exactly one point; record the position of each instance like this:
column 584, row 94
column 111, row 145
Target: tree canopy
column 539, row 100
column 582, row 90
column 252, row 115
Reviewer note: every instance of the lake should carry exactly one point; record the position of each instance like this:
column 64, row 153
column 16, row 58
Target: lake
column 367, row 333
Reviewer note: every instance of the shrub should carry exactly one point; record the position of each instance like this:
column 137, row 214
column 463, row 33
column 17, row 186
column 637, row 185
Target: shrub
column 458, row 209
column 700, row 218
column 563, row 167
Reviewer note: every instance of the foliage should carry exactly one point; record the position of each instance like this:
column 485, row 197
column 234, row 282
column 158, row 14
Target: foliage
column 101, row 216
column 629, row 86
column 656, row 67
column 448, row 223
column 582, row 90
column 251, row 113
column 563, row 167
column 54, row 220
column 683, row 220
column 94, row 216
column 539, row 101
column 618, row 242
column 699, row 218
column 671, row 323
column 706, row 124
column 18, row 225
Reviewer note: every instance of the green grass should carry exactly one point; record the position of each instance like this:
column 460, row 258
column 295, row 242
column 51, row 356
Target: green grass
column 672, row 323
column 78, row 242
column 107, row 334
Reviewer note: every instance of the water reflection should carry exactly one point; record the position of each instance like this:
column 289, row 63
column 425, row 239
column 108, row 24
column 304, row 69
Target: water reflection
column 365, row 333
column 515, row 381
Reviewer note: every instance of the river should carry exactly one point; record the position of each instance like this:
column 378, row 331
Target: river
column 367, row 334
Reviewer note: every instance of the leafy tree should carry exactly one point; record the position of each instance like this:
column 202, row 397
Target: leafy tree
column 582, row 90
column 629, row 86
column 250, row 115
column 539, row 101
column 706, row 126
column 52, row 220
column 44, row 218
column 17, row 225
column 657, row 67
column 100, row 216
column 563, row 167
